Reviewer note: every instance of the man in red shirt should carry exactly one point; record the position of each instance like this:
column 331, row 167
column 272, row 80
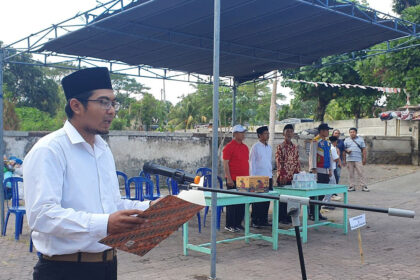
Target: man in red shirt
column 235, row 163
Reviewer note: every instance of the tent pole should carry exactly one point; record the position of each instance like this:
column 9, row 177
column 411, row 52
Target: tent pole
column 215, row 138
column 235, row 87
column 1, row 139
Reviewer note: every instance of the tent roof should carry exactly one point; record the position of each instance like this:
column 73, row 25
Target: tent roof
column 255, row 36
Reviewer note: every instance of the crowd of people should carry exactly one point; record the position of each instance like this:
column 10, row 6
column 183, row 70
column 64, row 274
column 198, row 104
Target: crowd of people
column 72, row 196
column 327, row 156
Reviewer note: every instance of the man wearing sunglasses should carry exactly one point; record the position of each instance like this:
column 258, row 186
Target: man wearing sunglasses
column 71, row 188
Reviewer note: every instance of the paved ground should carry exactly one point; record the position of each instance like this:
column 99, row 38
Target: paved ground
column 391, row 245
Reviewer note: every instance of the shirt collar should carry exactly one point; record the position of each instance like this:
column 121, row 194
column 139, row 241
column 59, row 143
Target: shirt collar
column 76, row 138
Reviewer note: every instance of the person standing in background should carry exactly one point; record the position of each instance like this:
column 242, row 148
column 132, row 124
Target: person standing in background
column 287, row 159
column 355, row 158
column 235, row 163
column 320, row 161
column 260, row 163
column 340, row 147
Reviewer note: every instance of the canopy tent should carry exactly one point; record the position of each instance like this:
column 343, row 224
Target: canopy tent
column 255, row 37
column 248, row 37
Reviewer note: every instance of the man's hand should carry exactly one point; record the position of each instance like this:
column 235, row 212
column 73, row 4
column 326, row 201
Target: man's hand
column 123, row 221
column 344, row 163
column 155, row 201
column 230, row 182
column 364, row 161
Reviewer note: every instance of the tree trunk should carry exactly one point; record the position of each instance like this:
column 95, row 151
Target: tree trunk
column 273, row 107
column 320, row 109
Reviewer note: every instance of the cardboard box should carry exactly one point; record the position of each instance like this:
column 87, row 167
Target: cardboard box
column 252, row 183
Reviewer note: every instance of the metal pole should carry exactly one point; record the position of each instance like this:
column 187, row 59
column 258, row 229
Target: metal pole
column 1, row 140
column 215, row 139
column 300, row 251
column 235, row 87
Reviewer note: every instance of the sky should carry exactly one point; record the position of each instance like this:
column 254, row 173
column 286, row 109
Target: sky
column 20, row 18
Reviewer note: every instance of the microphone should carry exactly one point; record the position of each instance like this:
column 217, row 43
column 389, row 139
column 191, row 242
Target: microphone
column 178, row 175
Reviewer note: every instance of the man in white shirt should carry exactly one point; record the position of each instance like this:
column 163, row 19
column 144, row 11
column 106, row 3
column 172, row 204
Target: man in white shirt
column 260, row 165
column 71, row 188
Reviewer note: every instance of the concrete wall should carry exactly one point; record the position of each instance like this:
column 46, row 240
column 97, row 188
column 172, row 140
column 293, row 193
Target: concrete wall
column 372, row 126
column 188, row 151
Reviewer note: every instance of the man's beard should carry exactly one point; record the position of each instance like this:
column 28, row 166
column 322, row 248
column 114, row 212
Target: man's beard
column 96, row 131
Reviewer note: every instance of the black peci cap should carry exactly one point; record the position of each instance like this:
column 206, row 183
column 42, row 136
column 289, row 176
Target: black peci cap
column 86, row 80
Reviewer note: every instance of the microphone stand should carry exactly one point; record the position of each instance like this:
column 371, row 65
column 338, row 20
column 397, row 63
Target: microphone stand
column 293, row 210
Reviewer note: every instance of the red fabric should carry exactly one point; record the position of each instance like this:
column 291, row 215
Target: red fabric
column 238, row 156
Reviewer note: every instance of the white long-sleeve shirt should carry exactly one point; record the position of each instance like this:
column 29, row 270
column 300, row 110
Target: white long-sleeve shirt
column 70, row 190
column 260, row 160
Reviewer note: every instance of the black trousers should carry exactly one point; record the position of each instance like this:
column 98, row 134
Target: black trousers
column 283, row 217
column 58, row 270
column 234, row 213
column 259, row 214
column 322, row 179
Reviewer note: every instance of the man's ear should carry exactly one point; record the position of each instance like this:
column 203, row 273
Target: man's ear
column 76, row 106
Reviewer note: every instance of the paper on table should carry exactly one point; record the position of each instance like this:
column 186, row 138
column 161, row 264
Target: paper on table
column 193, row 196
column 164, row 217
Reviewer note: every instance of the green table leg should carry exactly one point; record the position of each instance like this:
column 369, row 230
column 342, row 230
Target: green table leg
column 246, row 222
column 185, row 238
column 305, row 223
column 345, row 224
column 275, row 225
column 316, row 211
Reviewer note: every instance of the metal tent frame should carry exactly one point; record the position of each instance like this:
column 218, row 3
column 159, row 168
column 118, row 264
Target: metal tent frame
column 36, row 45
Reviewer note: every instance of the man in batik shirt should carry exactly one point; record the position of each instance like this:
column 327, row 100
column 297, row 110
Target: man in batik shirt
column 287, row 158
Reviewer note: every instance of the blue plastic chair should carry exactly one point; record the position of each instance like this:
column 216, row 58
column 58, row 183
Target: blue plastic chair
column 172, row 186
column 138, row 187
column 126, row 186
column 19, row 211
column 150, row 192
column 206, row 172
column 174, row 190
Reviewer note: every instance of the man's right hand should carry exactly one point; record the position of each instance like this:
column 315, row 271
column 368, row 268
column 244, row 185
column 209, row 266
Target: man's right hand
column 123, row 221
column 230, row 182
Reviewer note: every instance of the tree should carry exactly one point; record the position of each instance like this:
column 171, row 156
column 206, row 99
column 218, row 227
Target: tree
column 400, row 5
column 342, row 73
column 32, row 119
column 30, row 87
column 10, row 119
column 397, row 69
column 298, row 109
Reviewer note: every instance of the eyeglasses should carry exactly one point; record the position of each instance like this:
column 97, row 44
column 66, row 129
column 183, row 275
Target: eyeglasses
column 106, row 104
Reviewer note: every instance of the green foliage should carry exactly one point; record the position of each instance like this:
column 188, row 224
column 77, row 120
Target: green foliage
column 252, row 105
column 335, row 111
column 32, row 119
column 400, row 5
column 298, row 109
column 142, row 115
column 118, row 124
column 344, row 73
column 30, row 87
column 10, row 119
column 397, row 69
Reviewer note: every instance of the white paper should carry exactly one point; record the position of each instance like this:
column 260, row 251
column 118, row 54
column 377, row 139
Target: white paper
column 357, row 222
column 193, row 196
